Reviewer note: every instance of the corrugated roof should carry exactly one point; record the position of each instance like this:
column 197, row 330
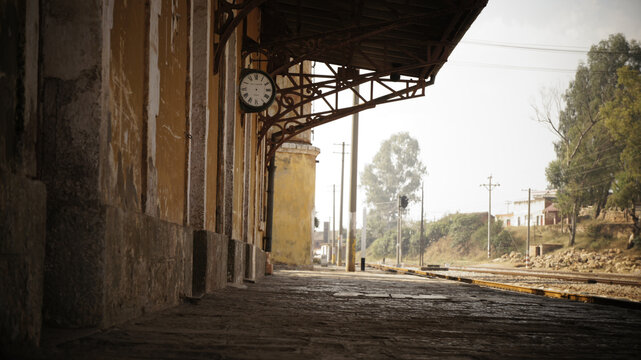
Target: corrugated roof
column 410, row 37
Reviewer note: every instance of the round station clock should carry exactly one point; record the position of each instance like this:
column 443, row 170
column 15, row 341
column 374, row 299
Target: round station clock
column 257, row 90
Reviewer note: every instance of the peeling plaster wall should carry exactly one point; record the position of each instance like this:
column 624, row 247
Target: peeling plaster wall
column 171, row 130
column 294, row 186
column 112, row 149
column 148, row 261
column 127, row 90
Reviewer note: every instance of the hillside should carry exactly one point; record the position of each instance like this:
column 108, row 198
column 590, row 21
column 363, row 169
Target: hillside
column 599, row 246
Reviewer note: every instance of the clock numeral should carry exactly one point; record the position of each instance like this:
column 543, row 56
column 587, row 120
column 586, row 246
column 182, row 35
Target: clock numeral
column 243, row 89
column 266, row 96
column 256, row 77
column 268, row 90
column 249, row 101
column 245, row 95
column 266, row 84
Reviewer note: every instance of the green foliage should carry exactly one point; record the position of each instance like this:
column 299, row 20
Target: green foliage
column 385, row 246
column 623, row 120
column 395, row 170
column 587, row 152
column 462, row 228
column 503, row 243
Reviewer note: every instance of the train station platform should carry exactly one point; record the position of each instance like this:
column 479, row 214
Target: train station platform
column 331, row 314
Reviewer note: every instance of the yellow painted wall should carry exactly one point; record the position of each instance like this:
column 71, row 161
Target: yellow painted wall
column 126, row 103
column 171, row 143
column 294, row 187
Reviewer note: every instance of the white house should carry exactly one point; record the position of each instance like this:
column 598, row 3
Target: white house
column 542, row 210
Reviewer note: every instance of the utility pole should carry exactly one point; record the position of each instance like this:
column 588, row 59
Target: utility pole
column 340, row 211
column 420, row 237
column 527, row 243
column 332, row 249
column 364, row 239
column 350, row 247
column 489, row 187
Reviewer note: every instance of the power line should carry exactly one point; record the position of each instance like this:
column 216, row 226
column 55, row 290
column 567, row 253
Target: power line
column 540, row 47
column 521, row 68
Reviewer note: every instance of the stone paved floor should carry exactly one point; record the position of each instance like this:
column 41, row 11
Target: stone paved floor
column 296, row 315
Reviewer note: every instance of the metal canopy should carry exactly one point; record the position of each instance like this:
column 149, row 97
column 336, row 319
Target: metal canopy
column 391, row 49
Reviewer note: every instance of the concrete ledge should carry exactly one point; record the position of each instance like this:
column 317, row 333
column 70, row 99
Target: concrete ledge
column 22, row 242
column 210, row 262
column 235, row 261
column 148, row 265
column 254, row 262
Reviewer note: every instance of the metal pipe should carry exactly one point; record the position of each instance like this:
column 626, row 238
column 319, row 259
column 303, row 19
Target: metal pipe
column 270, row 205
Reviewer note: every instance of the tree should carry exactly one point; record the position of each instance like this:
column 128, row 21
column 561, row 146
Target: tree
column 586, row 151
column 623, row 120
column 395, row 170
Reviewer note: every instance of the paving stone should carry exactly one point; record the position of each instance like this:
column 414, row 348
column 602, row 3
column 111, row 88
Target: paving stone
column 296, row 315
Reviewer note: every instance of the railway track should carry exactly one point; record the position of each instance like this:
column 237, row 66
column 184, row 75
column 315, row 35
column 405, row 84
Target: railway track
column 589, row 278
column 508, row 280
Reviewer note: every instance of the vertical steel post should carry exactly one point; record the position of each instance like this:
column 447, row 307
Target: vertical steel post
column 340, row 211
column 527, row 246
column 398, row 231
column 420, row 236
column 364, row 239
column 332, row 249
column 350, row 245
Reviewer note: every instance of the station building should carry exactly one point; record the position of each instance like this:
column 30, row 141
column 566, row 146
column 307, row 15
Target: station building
column 131, row 174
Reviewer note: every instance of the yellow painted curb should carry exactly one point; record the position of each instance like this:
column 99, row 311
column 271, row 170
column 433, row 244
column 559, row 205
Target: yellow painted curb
column 548, row 293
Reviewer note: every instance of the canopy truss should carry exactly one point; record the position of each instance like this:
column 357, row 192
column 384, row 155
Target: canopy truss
column 381, row 50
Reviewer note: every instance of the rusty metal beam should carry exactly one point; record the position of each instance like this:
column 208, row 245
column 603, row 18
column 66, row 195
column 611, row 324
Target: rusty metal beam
column 228, row 17
column 286, row 119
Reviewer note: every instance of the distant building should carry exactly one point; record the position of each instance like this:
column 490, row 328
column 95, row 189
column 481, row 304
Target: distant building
column 543, row 210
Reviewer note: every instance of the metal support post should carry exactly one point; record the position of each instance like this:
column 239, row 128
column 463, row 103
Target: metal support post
column 351, row 235
column 420, row 236
column 364, row 239
column 340, row 211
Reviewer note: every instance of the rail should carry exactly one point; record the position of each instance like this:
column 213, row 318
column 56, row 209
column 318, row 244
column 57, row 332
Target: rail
column 516, row 288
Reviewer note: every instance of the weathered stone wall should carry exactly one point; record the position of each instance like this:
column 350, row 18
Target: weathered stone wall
column 22, row 199
column 236, row 253
column 73, row 119
column 210, row 262
column 22, row 230
column 148, row 264
column 123, row 176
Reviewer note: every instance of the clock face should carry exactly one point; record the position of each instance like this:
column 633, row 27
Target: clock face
column 257, row 90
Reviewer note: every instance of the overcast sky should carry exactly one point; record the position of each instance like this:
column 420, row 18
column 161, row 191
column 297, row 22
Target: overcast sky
column 477, row 119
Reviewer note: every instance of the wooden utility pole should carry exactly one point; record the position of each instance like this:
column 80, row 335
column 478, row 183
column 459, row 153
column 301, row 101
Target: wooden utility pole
column 489, row 187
